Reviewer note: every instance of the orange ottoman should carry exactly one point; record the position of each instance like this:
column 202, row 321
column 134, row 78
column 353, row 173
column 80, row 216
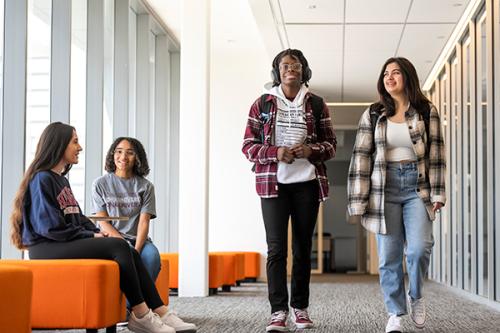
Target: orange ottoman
column 173, row 268
column 252, row 266
column 16, row 284
column 75, row 293
column 215, row 272
column 162, row 281
column 230, row 269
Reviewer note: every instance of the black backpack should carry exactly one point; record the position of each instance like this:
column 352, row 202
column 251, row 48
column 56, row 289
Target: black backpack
column 376, row 109
column 265, row 108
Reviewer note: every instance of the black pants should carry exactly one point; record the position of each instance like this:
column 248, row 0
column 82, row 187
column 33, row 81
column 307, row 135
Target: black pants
column 300, row 201
column 135, row 281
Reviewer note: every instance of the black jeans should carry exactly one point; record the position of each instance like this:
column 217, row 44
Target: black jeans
column 300, row 201
column 135, row 281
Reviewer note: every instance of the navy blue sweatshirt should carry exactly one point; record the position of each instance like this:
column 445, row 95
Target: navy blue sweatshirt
column 51, row 213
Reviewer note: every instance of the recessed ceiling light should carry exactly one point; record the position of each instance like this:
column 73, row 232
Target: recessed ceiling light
column 457, row 4
column 440, row 37
column 428, row 61
column 311, row 6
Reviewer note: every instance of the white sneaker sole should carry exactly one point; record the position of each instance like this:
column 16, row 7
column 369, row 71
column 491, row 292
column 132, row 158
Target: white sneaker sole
column 276, row 328
column 304, row 326
column 419, row 326
column 186, row 330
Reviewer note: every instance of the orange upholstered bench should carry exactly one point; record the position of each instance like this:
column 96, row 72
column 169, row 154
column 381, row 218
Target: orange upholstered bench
column 15, row 294
column 173, row 268
column 162, row 281
column 234, row 265
column 79, row 293
column 215, row 273
column 252, row 266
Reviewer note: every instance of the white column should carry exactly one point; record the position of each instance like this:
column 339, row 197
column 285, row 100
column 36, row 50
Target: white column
column 194, row 138
column 60, row 61
column 173, row 139
column 13, row 116
column 95, row 96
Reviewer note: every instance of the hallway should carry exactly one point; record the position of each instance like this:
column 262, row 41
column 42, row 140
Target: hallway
column 339, row 303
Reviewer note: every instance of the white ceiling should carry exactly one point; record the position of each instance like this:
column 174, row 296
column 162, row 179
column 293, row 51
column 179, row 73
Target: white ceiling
column 347, row 41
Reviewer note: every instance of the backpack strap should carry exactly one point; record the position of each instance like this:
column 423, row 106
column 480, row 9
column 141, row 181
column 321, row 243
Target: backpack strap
column 265, row 107
column 426, row 116
column 317, row 108
column 375, row 109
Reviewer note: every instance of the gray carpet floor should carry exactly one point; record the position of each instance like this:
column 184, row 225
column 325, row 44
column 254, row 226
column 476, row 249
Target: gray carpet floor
column 339, row 303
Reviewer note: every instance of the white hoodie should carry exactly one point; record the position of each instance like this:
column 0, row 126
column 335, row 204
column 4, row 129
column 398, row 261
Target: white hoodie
column 291, row 129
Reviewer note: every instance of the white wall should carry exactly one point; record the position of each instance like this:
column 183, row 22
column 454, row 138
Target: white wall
column 239, row 68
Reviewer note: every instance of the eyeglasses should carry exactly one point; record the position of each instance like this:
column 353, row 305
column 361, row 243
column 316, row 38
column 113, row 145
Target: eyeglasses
column 127, row 152
column 297, row 67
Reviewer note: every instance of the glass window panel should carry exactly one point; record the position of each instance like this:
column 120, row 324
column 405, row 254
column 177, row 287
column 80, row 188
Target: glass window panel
column 467, row 163
column 78, row 92
column 455, row 190
column 109, row 22
column 482, row 70
column 444, row 221
column 38, row 73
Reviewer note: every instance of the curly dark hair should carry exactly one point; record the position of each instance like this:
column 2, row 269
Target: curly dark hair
column 296, row 54
column 141, row 166
column 411, row 87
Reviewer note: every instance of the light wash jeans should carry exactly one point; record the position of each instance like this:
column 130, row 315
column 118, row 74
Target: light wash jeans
column 409, row 231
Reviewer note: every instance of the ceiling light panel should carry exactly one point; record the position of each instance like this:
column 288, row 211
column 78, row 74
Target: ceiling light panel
column 419, row 37
column 432, row 11
column 381, row 11
column 324, row 11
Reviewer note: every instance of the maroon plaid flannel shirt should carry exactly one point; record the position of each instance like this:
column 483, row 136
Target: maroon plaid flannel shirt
column 262, row 151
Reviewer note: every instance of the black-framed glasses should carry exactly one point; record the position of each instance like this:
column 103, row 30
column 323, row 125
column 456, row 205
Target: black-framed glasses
column 297, row 67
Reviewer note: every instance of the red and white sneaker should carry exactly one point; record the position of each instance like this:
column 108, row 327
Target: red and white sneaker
column 301, row 318
column 278, row 322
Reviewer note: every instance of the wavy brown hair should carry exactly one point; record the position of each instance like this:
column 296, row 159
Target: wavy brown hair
column 411, row 87
column 49, row 152
column 141, row 166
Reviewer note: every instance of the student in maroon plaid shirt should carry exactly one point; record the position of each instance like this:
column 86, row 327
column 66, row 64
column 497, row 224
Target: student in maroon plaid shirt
column 289, row 147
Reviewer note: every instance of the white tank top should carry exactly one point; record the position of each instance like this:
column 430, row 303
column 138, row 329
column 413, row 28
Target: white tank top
column 398, row 143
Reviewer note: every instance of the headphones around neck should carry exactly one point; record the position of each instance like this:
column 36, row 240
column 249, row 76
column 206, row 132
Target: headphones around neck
column 275, row 74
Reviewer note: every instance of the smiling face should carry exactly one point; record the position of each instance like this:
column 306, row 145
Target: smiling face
column 124, row 157
column 72, row 150
column 393, row 79
column 290, row 71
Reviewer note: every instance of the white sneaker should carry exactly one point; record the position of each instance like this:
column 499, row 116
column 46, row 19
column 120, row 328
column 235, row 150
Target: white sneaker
column 393, row 324
column 150, row 323
column 417, row 311
column 171, row 319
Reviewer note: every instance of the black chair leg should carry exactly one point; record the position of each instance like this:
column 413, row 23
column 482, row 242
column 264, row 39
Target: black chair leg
column 111, row 329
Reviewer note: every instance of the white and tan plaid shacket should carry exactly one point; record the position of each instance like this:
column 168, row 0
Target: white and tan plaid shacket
column 365, row 188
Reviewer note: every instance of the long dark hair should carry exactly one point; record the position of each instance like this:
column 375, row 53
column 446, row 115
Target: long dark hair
column 411, row 87
column 141, row 166
column 296, row 54
column 49, row 152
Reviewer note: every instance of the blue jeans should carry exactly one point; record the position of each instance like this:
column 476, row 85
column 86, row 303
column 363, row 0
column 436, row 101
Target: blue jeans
column 150, row 257
column 409, row 231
